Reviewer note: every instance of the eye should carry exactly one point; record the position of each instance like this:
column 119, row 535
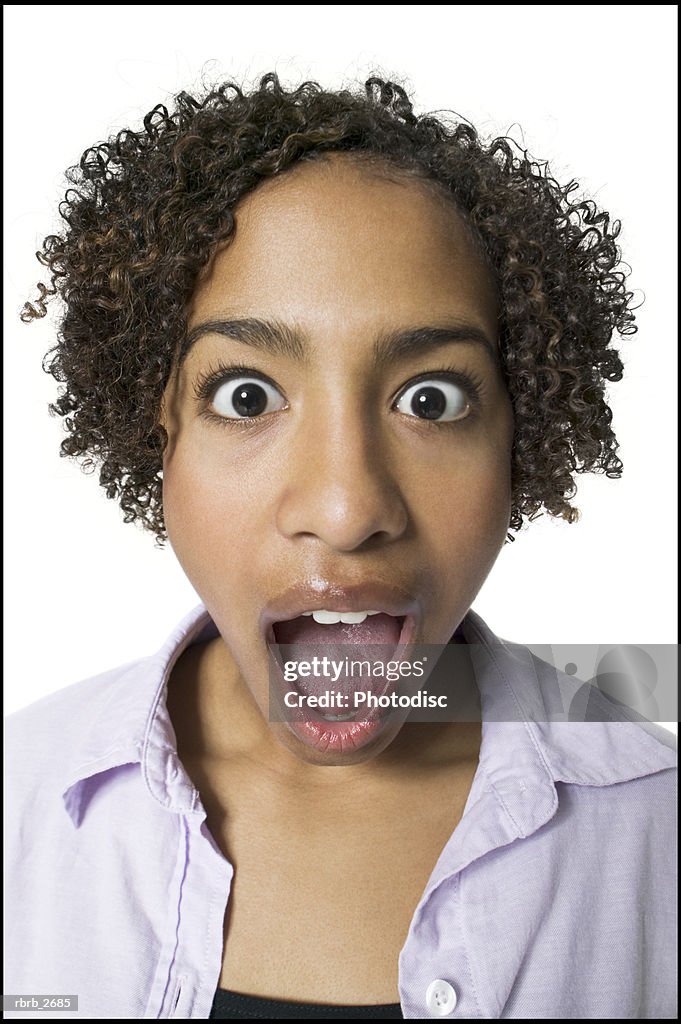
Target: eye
column 434, row 400
column 247, row 397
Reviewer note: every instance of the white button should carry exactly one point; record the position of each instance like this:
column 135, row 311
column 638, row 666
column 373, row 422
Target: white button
column 440, row 998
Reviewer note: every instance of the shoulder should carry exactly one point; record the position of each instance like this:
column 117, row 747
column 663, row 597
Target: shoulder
column 48, row 739
column 54, row 719
column 603, row 775
column 588, row 735
column 95, row 724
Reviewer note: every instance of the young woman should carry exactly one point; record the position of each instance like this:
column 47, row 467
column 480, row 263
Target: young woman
column 334, row 352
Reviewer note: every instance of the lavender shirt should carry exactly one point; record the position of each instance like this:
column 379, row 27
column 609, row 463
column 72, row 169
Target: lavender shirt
column 554, row 896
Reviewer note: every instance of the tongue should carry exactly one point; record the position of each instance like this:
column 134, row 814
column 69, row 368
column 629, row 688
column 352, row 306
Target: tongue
column 376, row 629
column 375, row 639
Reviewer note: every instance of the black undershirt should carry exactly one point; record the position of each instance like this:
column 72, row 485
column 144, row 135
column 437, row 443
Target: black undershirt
column 233, row 1005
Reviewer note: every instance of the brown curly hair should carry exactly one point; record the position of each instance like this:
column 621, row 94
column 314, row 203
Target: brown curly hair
column 149, row 209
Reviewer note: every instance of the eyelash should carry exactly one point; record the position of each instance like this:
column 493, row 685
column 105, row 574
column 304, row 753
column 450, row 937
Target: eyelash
column 208, row 381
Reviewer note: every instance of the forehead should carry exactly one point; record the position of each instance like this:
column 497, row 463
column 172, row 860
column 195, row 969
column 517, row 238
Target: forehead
column 336, row 237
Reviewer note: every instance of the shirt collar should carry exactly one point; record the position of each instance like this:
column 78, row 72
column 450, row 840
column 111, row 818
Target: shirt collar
column 518, row 687
column 524, row 750
column 131, row 725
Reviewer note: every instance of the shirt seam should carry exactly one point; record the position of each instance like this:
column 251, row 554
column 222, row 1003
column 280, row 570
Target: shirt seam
column 181, row 869
column 458, row 902
column 209, row 931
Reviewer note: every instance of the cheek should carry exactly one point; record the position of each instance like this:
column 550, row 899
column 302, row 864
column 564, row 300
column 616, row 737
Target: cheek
column 470, row 471
column 473, row 510
column 211, row 513
column 466, row 515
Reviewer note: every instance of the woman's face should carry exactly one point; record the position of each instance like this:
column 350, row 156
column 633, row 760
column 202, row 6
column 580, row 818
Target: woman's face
column 354, row 451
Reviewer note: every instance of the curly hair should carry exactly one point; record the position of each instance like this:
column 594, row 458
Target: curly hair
column 150, row 207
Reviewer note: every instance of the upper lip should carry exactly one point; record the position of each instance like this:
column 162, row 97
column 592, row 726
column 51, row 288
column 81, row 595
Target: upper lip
column 313, row 595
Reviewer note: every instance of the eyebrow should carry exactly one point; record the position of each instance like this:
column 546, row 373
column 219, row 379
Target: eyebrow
column 277, row 338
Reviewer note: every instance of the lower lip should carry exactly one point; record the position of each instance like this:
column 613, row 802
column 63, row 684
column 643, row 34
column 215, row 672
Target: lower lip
column 337, row 737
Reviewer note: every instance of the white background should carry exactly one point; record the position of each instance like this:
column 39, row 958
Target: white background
column 590, row 88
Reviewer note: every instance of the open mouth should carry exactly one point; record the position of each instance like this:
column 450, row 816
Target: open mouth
column 340, row 661
column 327, row 627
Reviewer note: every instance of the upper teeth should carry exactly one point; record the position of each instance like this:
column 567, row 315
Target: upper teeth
column 328, row 618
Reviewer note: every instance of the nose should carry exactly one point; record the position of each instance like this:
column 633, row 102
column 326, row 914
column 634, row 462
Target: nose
column 340, row 488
